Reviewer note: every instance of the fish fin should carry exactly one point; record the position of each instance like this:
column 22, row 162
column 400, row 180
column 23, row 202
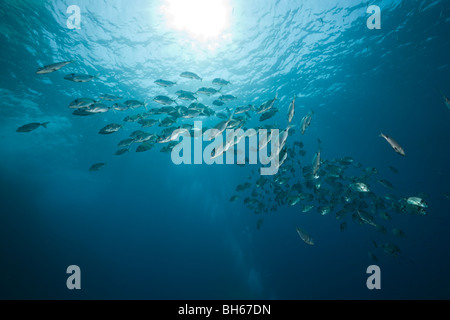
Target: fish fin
column 45, row 124
column 232, row 115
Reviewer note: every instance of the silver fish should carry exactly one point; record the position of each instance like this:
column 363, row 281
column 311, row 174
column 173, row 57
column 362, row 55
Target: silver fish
column 165, row 83
column 134, row 104
column 80, row 77
column 81, row 103
column 32, row 126
column 359, row 187
column 244, row 109
column 110, row 97
column 416, row 201
column 305, row 236
column 190, row 75
column 52, row 67
column 266, row 106
column 187, row 97
column 306, row 121
column 227, row 97
column 291, row 111
column 110, row 128
column 166, row 101
column 207, row 91
column 397, row 148
column 220, row 82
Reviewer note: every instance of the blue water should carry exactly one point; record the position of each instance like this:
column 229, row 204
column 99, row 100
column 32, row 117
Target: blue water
column 144, row 228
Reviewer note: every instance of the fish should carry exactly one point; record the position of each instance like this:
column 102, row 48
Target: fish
column 174, row 135
column 393, row 169
column 97, row 166
column 446, row 100
column 110, row 97
column 447, row 195
column 165, row 83
column 234, row 198
column 305, row 236
column 307, row 207
column 147, row 123
column 133, row 118
column 144, row 137
column 266, row 106
column 181, row 92
column 134, row 104
column 343, row 226
column 190, row 75
column 218, row 103
column 52, row 67
column 291, row 111
column 82, row 112
column 384, row 215
column 125, row 143
column 244, row 109
column 416, row 201
column 372, row 256
column 398, row 233
column 120, row 107
column 366, row 217
column 227, row 97
column 32, row 126
column 143, row 147
column 259, row 223
column 207, row 91
column 121, row 151
column 167, row 122
column 220, row 82
column 386, row 184
column 219, row 128
column 166, row 101
column 80, row 77
column 306, row 121
column 97, row 108
column 243, row 187
column 187, row 96
column 397, row 148
column 168, row 148
column 316, row 162
column 81, row 103
column 110, row 128
column 391, row 249
column 359, row 187
column 269, row 114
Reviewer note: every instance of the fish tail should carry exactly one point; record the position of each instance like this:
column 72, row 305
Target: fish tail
column 382, row 135
column 97, row 75
column 45, row 124
column 232, row 115
column 276, row 95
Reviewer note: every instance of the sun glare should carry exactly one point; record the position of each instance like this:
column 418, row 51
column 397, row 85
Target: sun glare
column 202, row 19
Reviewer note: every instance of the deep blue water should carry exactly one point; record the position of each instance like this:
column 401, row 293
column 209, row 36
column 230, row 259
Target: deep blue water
column 144, row 228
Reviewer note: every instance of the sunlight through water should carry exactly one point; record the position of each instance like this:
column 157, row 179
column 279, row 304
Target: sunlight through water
column 203, row 20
